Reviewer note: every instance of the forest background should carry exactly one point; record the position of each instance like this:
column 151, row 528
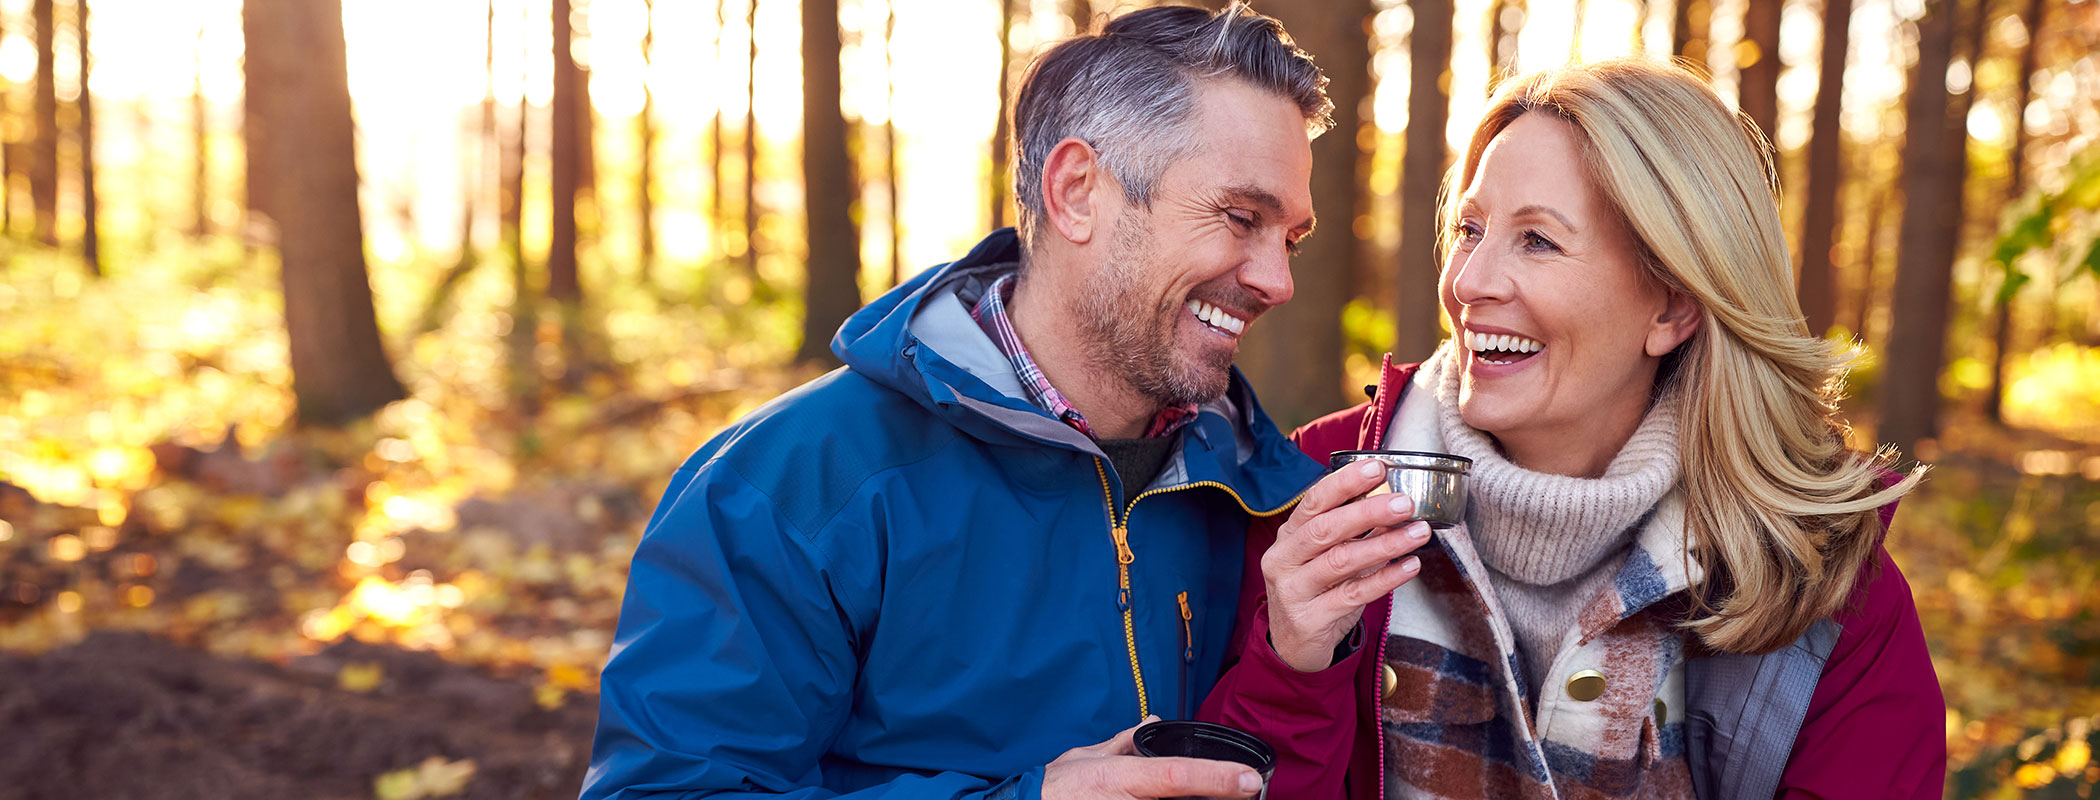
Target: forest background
column 345, row 347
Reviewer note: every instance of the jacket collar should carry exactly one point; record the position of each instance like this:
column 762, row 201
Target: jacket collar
column 918, row 339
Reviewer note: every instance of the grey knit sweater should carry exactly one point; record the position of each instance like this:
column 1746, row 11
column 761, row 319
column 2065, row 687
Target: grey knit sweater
column 1552, row 542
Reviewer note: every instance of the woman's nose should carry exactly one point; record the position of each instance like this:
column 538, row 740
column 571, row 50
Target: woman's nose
column 1478, row 277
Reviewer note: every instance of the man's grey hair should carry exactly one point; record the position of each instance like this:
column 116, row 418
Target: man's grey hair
column 1130, row 90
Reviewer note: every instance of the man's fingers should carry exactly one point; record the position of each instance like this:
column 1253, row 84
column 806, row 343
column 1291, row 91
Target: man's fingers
column 1182, row 777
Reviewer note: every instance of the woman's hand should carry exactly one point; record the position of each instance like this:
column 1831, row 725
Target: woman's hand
column 1320, row 574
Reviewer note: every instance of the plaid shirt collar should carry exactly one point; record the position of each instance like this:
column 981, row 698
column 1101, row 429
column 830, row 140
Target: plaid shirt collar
column 990, row 313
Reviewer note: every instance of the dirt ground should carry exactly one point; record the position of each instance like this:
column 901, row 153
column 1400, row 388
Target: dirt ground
column 123, row 715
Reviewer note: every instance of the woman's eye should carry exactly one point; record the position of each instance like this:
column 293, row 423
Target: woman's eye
column 1535, row 242
column 1466, row 231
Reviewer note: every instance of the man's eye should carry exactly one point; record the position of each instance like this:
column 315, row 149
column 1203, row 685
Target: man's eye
column 1239, row 219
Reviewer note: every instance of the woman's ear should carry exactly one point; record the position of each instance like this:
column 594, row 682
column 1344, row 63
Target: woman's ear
column 1071, row 176
column 1680, row 318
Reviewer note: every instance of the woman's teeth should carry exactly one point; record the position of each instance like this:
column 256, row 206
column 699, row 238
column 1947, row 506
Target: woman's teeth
column 1216, row 317
column 1510, row 349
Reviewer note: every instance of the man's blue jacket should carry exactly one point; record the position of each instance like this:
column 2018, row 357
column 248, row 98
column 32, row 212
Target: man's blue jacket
column 904, row 580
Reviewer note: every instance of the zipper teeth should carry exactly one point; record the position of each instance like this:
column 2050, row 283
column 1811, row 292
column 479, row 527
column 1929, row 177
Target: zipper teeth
column 1124, row 557
column 1120, row 529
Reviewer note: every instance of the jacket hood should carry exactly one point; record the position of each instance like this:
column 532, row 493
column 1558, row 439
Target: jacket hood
column 919, row 340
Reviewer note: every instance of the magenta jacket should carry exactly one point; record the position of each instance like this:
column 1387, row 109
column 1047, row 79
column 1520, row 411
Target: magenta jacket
column 1870, row 723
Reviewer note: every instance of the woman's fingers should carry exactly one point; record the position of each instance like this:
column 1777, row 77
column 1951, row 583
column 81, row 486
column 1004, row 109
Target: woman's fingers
column 1330, row 529
column 1346, row 560
column 1337, row 488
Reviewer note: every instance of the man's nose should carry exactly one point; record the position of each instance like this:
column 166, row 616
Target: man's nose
column 1267, row 276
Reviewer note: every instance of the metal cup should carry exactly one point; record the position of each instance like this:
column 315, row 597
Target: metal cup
column 1192, row 739
column 1435, row 481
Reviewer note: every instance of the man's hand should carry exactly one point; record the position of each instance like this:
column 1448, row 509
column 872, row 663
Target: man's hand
column 1112, row 770
column 1320, row 574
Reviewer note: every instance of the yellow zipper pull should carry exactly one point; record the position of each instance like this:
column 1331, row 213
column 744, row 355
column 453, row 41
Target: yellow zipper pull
column 1188, row 637
column 1123, row 554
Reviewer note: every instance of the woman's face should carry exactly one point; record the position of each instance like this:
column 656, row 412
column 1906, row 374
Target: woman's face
column 1560, row 329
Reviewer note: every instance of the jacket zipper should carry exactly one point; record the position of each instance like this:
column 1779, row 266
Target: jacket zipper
column 1119, row 529
column 1376, row 439
column 1188, row 649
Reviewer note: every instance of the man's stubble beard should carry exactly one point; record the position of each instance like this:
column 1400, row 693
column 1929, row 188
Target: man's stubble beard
column 1131, row 339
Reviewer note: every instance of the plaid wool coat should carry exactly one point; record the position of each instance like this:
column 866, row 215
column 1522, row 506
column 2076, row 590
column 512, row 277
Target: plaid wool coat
column 1452, row 719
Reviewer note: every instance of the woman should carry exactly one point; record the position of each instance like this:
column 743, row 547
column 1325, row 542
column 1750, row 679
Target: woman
column 1670, row 580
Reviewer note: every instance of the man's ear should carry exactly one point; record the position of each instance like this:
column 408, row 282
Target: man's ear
column 1680, row 318
column 1072, row 177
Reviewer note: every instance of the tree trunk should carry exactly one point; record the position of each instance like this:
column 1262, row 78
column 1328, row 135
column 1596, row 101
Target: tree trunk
column 340, row 371
column 1505, row 23
column 717, row 221
column 43, row 147
column 751, row 207
column 565, row 163
column 1758, row 91
column 889, row 144
column 645, row 125
column 1924, row 255
column 90, row 236
column 1082, row 12
column 1295, row 352
column 1819, row 226
column 1421, row 174
column 257, row 94
column 1689, row 30
column 200, row 165
column 1877, row 251
column 2016, row 166
column 1002, row 182
column 510, row 216
column 832, row 291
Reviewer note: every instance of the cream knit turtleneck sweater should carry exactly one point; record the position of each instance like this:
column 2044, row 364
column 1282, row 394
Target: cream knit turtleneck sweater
column 1552, row 542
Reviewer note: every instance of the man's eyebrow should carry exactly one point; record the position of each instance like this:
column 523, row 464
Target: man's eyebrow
column 1267, row 200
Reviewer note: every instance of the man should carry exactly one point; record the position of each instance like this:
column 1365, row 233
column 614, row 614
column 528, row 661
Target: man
column 1012, row 525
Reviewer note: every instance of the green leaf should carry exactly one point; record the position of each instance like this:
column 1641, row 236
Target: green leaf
column 2014, row 279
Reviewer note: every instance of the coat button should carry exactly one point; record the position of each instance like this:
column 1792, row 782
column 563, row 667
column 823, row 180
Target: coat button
column 1388, row 682
column 1587, row 685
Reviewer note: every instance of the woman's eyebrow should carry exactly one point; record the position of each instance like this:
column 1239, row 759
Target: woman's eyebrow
column 1536, row 209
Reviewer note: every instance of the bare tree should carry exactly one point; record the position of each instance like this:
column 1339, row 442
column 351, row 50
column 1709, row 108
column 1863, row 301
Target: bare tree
column 2016, row 167
column 751, row 207
column 43, row 147
column 645, row 126
column 565, row 160
column 256, row 96
column 1296, row 353
column 91, row 236
column 1819, row 226
column 1689, row 30
column 890, row 147
column 1002, row 179
column 1925, row 252
column 1759, row 89
column 832, row 291
column 200, row 164
column 1505, row 21
column 1421, row 172
column 510, row 218
column 340, row 370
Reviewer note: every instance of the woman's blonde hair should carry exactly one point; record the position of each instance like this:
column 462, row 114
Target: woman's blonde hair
column 1782, row 514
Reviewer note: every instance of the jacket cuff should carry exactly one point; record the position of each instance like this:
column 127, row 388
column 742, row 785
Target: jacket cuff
column 1338, row 674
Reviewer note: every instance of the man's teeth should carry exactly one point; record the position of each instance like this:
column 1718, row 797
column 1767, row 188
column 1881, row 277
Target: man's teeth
column 1216, row 317
column 1500, row 342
